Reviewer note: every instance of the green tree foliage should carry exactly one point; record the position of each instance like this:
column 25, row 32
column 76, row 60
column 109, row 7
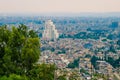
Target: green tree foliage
column 118, row 42
column 87, row 56
column 83, row 71
column 97, row 76
column 61, row 78
column 19, row 52
column 30, row 53
column 112, row 49
column 14, row 77
column 114, row 63
column 43, row 72
column 93, row 61
column 94, row 34
column 74, row 64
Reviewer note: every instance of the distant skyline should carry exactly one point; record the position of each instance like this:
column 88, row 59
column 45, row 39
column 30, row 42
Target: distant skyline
column 59, row 6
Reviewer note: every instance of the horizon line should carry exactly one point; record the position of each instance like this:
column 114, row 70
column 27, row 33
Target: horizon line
column 64, row 14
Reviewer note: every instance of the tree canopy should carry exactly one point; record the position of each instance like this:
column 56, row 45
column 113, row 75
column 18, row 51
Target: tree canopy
column 19, row 53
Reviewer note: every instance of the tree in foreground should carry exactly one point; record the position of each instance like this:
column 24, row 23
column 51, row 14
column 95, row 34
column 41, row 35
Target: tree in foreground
column 43, row 72
column 19, row 52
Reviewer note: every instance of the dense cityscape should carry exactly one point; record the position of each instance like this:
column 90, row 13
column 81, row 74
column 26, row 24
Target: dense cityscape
column 84, row 48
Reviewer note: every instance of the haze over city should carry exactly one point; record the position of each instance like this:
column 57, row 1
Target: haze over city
column 59, row 39
column 59, row 6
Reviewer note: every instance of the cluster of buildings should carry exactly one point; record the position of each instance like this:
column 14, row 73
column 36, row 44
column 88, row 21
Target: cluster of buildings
column 62, row 51
column 65, row 50
column 104, row 68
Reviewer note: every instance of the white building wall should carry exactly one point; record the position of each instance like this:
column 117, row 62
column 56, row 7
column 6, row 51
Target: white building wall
column 50, row 33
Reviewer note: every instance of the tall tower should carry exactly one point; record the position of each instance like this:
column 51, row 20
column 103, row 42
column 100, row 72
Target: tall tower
column 50, row 32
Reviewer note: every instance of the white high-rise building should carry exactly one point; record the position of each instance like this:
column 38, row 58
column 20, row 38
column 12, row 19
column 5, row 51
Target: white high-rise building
column 50, row 32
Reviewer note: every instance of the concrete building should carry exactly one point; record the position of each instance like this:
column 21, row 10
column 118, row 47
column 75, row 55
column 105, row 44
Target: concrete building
column 104, row 67
column 50, row 32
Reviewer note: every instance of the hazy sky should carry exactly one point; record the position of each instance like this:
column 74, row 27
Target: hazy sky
column 58, row 6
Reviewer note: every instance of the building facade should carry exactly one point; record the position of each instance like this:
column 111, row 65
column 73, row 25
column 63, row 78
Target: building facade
column 50, row 32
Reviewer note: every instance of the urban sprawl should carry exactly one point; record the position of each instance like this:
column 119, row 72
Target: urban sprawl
column 87, row 46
